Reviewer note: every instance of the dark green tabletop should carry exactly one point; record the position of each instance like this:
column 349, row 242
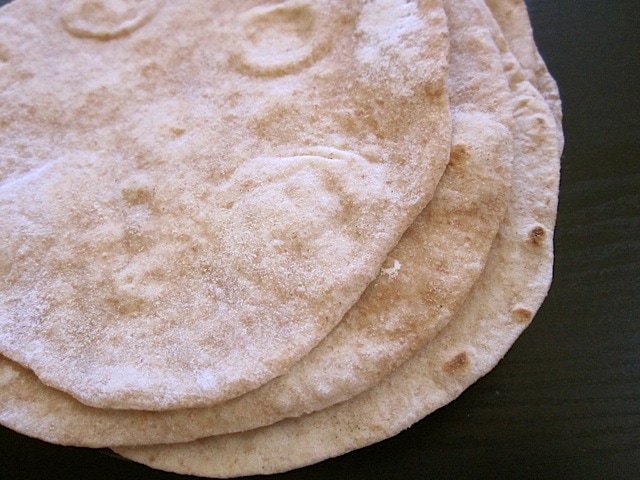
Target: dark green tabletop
column 565, row 403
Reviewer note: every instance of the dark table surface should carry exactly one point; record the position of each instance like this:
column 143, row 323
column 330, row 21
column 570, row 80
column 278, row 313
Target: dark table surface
column 566, row 400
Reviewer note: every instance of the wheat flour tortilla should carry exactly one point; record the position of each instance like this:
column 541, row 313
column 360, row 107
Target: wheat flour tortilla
column 427, row 277
column 193, row 194
column 451, row 238
column 502, row 304
column 513, row 18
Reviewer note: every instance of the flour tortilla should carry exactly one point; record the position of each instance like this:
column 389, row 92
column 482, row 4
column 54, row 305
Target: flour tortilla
column 502, row 304
column 513, row 18
column 426, row 278
column 461, row 221
column 190, row 202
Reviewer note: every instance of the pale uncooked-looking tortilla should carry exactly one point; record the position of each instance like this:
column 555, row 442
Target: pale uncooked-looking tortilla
column 193, row 194
column 502, row 304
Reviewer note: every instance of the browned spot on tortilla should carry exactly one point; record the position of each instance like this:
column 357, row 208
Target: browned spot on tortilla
column 435, row 89
column 136, row 195
column 4, row 54
column 126, row 304
column 459, row 154
column 178, row 131
column 150, row 70
column 456, row 364
column 522, row 315
column 537, row 235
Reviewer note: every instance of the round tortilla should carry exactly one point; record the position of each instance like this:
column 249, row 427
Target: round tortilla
column 501, row 305
column 452, row 235
column 193, row 194
column 427, row 277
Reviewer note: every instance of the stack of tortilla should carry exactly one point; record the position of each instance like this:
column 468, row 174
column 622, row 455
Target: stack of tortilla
column 244, row 237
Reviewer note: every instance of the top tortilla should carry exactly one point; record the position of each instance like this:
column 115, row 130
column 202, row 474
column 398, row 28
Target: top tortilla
column 426, row 278
column 501, row 305
column 461, row 220
column 184, row 217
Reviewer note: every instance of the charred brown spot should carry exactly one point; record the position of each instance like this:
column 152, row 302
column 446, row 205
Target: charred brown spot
column 459, row 154
column 522, row 315
column 537, row 235
column 456, row 364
